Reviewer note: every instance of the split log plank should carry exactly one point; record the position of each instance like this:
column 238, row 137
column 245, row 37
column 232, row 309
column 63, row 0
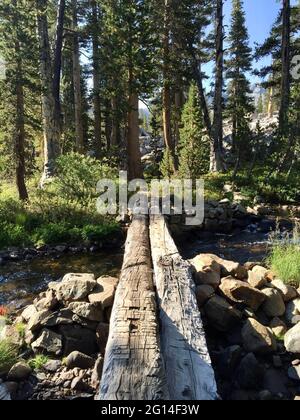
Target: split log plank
column 190, row 375
column 133, row 366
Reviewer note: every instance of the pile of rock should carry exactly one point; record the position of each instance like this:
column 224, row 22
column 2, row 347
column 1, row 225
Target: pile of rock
column 253, row 326
column 219, row 216
column 70, row 324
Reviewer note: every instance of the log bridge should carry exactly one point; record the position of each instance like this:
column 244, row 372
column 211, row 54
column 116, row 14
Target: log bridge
column 156, row 348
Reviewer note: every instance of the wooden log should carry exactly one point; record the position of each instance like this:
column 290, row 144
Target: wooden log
column 190, row 375
column 133, row 366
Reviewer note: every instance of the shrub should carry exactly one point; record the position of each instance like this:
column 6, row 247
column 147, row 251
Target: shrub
column 8, row 355
column 13, row 235
column 52, row 233
column 100, row 232
column 77, row 177
column 38, row 362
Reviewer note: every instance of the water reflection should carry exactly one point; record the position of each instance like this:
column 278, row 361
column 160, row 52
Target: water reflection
column 21, row 281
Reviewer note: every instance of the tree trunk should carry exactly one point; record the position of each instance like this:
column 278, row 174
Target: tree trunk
column 79, row 133
column 216, row 158
column 285, row 72
column 58, row 57
column 96, row 81
column 20, row 128
column 51, row 125
column 133, row 138
column 178, row 107
column 166, row 94
column 115, row 126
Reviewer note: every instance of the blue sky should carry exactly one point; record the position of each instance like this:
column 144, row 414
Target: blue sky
column 260, row 15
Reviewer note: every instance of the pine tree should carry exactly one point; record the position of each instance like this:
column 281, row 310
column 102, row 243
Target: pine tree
column 18, row 90
column 194, row 145
column 50, row 71
column 239, row 104
column 260, row 104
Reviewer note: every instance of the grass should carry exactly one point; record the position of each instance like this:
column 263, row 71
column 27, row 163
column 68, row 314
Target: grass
column 284, row 259
column 21, row 329
column 38, row 362
column 8, row 355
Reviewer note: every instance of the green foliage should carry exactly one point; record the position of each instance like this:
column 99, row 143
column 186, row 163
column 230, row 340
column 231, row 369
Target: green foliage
column 284, row 258
column 38, row 362
column 98, row 233
column 238, row 63
column 77, row 177
column 21, row 329
column 8, row 355
column 13, row 235
column 167, row 164
column 194, row 145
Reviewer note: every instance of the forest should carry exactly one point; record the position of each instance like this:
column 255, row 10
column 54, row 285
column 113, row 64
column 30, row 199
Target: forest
column 75, row 73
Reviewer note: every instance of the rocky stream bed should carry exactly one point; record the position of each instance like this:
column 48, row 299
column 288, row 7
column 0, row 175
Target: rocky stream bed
column 251, row 318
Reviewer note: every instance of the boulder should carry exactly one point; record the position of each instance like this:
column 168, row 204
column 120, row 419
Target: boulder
column 79, row 360
column 48, row 302
column 207, row 270
column 241, row 292
column 38, row 319
column 257, row 277
column 292, row 340
column 90, row 311
column 52, row 366
column 104, row 292
column 231, row 268
column 78, row 384
column 29, row 312
column 74, row 287
column 203, row 293
column 278, row 327
column 294, row 373
column 221, row 315
column 257, row 338
column 228, row 360
column 19, row 372
column 64, row 316
column 288, row 292
column 77, row 338
column 48, row 342
column 102, row 333
column 97, row 372
column 250, row 373
column 292, row 311
column 274, row 304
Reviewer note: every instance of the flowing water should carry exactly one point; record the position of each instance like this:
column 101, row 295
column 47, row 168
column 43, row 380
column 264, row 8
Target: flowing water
column 21, row 281
column 240, row 247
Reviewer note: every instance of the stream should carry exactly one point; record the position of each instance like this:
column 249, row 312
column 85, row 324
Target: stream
column 241, row 247
column 21, row 281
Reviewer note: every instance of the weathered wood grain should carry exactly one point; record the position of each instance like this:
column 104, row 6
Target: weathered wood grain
column 190, row 375
column 133, row 366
